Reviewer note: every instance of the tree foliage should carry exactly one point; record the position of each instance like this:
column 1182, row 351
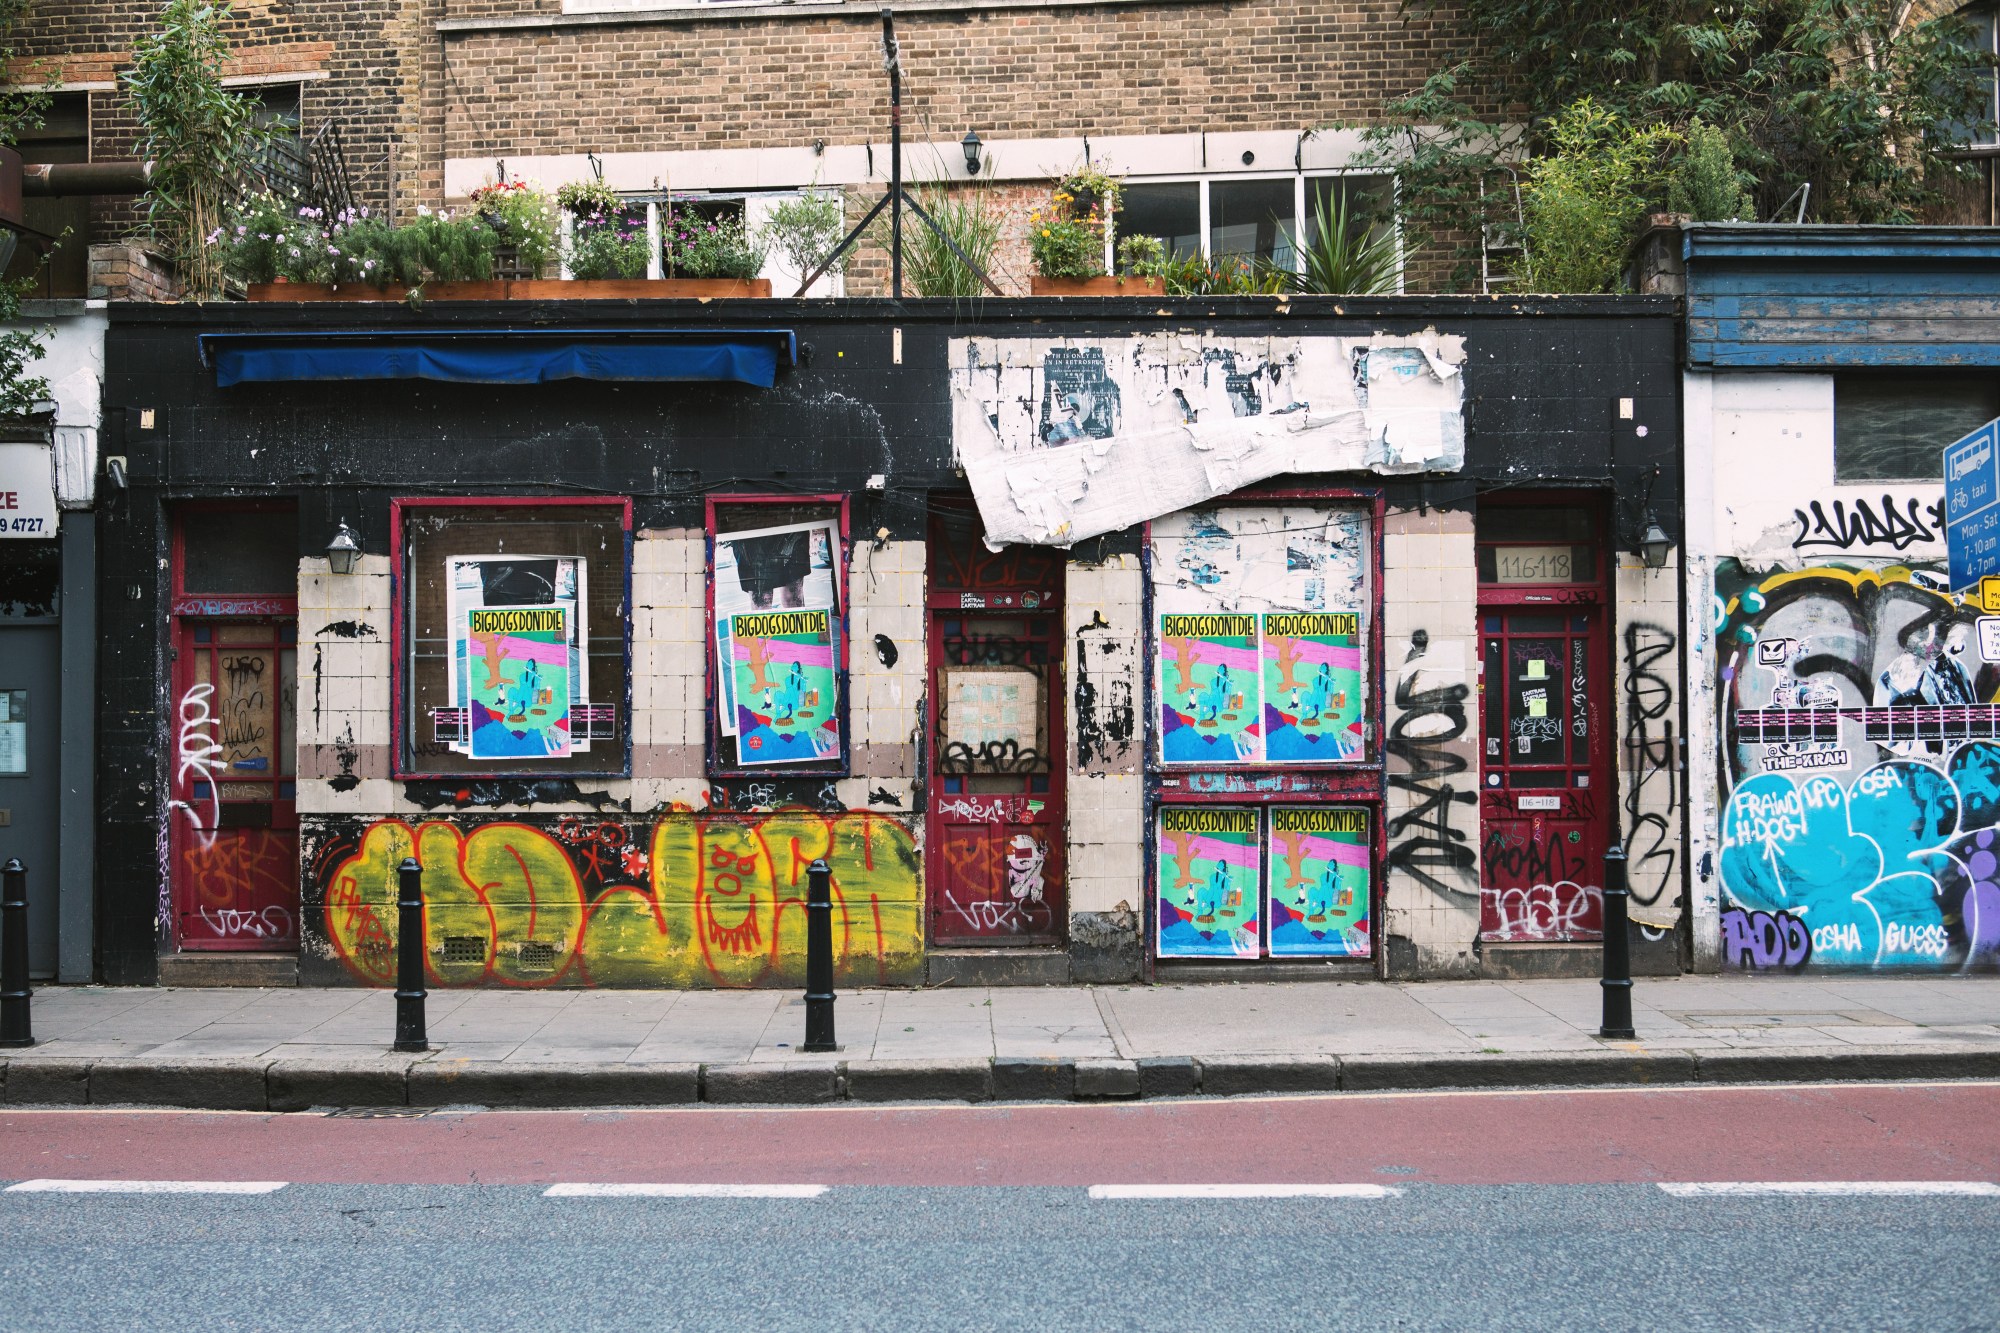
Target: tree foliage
column 1859, row 98
column 1585, row 196
column 202, row 139
column 22, row 108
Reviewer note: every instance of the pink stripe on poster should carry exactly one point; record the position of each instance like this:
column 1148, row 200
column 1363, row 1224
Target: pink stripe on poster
column 1311, row 653
column 526, row 650
column 1233, row 853
column 1210, row 654
column 781, row 650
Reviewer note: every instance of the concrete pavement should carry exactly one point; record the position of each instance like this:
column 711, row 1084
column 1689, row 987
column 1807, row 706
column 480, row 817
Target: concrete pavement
column 290, row 1049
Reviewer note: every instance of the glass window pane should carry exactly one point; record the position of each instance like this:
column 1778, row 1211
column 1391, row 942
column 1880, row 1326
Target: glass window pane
column 240, row 551
column 1251, row 220
column 1534, row 523
column 1171, row 212
column 1894, row 427
column 1370, row 202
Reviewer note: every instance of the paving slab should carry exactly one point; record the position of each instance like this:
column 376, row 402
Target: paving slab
column 286, row 1049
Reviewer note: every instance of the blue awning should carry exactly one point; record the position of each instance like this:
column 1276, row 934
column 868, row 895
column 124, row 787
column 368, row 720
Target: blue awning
column 502, row 356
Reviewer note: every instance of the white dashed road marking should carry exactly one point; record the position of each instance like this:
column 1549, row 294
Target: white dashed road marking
column 648, row 1191
column 1709, row 1189
column 1244, row 1191
column 147, row 1187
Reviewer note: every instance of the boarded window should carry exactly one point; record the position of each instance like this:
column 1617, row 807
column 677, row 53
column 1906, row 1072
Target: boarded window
column 541, row 567
column 240, row 552
column 1894, row 425
column 777, row 638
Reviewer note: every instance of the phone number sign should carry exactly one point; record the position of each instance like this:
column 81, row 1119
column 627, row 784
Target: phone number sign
column 27, row 491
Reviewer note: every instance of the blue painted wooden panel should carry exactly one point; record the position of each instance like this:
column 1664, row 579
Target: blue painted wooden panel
column 1821, row 297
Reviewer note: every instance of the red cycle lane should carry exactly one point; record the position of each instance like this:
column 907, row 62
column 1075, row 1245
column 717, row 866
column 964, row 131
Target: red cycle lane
column 1844, row 1132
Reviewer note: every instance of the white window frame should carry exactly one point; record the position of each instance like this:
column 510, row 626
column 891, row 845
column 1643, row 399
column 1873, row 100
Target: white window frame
column 783, row 281
column 1298, row 179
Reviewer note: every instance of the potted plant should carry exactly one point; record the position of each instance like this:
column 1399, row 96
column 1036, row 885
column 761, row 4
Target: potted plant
column 524, row 230
column 607, row 237
column 1066, row 243
column 711, row 254
column 804, row 231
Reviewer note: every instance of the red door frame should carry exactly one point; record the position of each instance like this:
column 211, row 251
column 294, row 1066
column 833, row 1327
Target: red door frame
column 998, row 919
column 257, row 868
column 1551, row 918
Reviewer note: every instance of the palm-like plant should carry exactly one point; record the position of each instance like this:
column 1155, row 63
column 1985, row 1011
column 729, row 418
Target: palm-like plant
column 1345, row 257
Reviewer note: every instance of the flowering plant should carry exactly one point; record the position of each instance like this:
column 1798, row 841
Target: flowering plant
column 592, row 198
column 273, row 240
column 698, row 245
column 608, row 244
column 520, row 216
column 1064, row 245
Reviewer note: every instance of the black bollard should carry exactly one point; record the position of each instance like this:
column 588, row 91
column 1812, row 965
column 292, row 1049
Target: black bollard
column 410, row 957
column 1617, row 981
column 819, row 958
column 14, row 992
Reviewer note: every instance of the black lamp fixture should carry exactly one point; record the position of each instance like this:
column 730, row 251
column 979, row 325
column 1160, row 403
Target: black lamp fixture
column 971, row 145
column 343, row 550
column 1655, row 545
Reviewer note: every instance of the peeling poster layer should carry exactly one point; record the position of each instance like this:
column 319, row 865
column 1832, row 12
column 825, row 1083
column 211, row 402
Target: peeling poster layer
column 1065, row 439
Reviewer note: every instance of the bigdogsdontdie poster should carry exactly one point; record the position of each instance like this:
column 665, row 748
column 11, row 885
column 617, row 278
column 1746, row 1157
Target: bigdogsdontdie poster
column 785, row 685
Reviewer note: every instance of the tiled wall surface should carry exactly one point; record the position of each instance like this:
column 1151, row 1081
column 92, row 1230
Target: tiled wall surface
column 1431, row 811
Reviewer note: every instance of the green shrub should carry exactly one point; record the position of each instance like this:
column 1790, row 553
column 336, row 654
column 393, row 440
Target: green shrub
column 1142, row 257
column 1706, row 185
column 1345, row 257
column 968, row 218
column 805, row 230
column 1585, row 199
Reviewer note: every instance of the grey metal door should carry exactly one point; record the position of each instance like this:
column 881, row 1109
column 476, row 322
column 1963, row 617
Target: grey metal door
column 30, row 738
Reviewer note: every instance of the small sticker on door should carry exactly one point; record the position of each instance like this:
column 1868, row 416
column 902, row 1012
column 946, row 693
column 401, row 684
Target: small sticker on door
column 1493, row 746
column 1524, row 744
column 1538, row 669
column 1536, row 701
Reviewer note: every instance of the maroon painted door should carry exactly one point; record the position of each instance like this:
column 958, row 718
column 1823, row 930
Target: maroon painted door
column 235, row 838
column 995, row 822
column 1545, row 722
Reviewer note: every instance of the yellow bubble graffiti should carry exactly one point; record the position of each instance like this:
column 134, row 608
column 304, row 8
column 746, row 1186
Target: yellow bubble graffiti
column 504, row 904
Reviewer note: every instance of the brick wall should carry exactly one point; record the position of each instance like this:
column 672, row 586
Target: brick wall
column 371, row 53
column 1012, row 73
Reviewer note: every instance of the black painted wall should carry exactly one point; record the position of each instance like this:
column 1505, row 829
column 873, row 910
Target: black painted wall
column 1543, row 380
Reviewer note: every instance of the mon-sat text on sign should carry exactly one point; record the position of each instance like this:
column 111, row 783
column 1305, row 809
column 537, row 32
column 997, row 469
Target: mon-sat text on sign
column 1972, row 505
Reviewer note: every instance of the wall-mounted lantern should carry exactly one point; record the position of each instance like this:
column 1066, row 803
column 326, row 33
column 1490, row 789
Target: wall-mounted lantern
column 971, row 145
column 343, row 550
column 1655, row 545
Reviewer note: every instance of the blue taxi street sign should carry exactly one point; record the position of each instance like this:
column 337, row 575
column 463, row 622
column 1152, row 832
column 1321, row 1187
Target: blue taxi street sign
column 1972, row 506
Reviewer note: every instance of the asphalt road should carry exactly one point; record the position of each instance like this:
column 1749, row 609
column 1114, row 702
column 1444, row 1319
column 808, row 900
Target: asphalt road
column 1455, row 1211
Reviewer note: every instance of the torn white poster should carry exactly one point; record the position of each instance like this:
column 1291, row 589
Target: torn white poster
column 1066, row 439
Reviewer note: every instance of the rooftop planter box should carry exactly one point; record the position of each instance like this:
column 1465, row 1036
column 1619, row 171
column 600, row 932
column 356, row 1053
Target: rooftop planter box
column 532, row 289
column 1098, row 286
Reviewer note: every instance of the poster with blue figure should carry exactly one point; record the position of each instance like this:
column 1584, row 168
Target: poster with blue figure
column 1207, row 883
column 1312, row 687
column 1211, row 689
column 519, row 696
column 1318, row 877
column 786, row 685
